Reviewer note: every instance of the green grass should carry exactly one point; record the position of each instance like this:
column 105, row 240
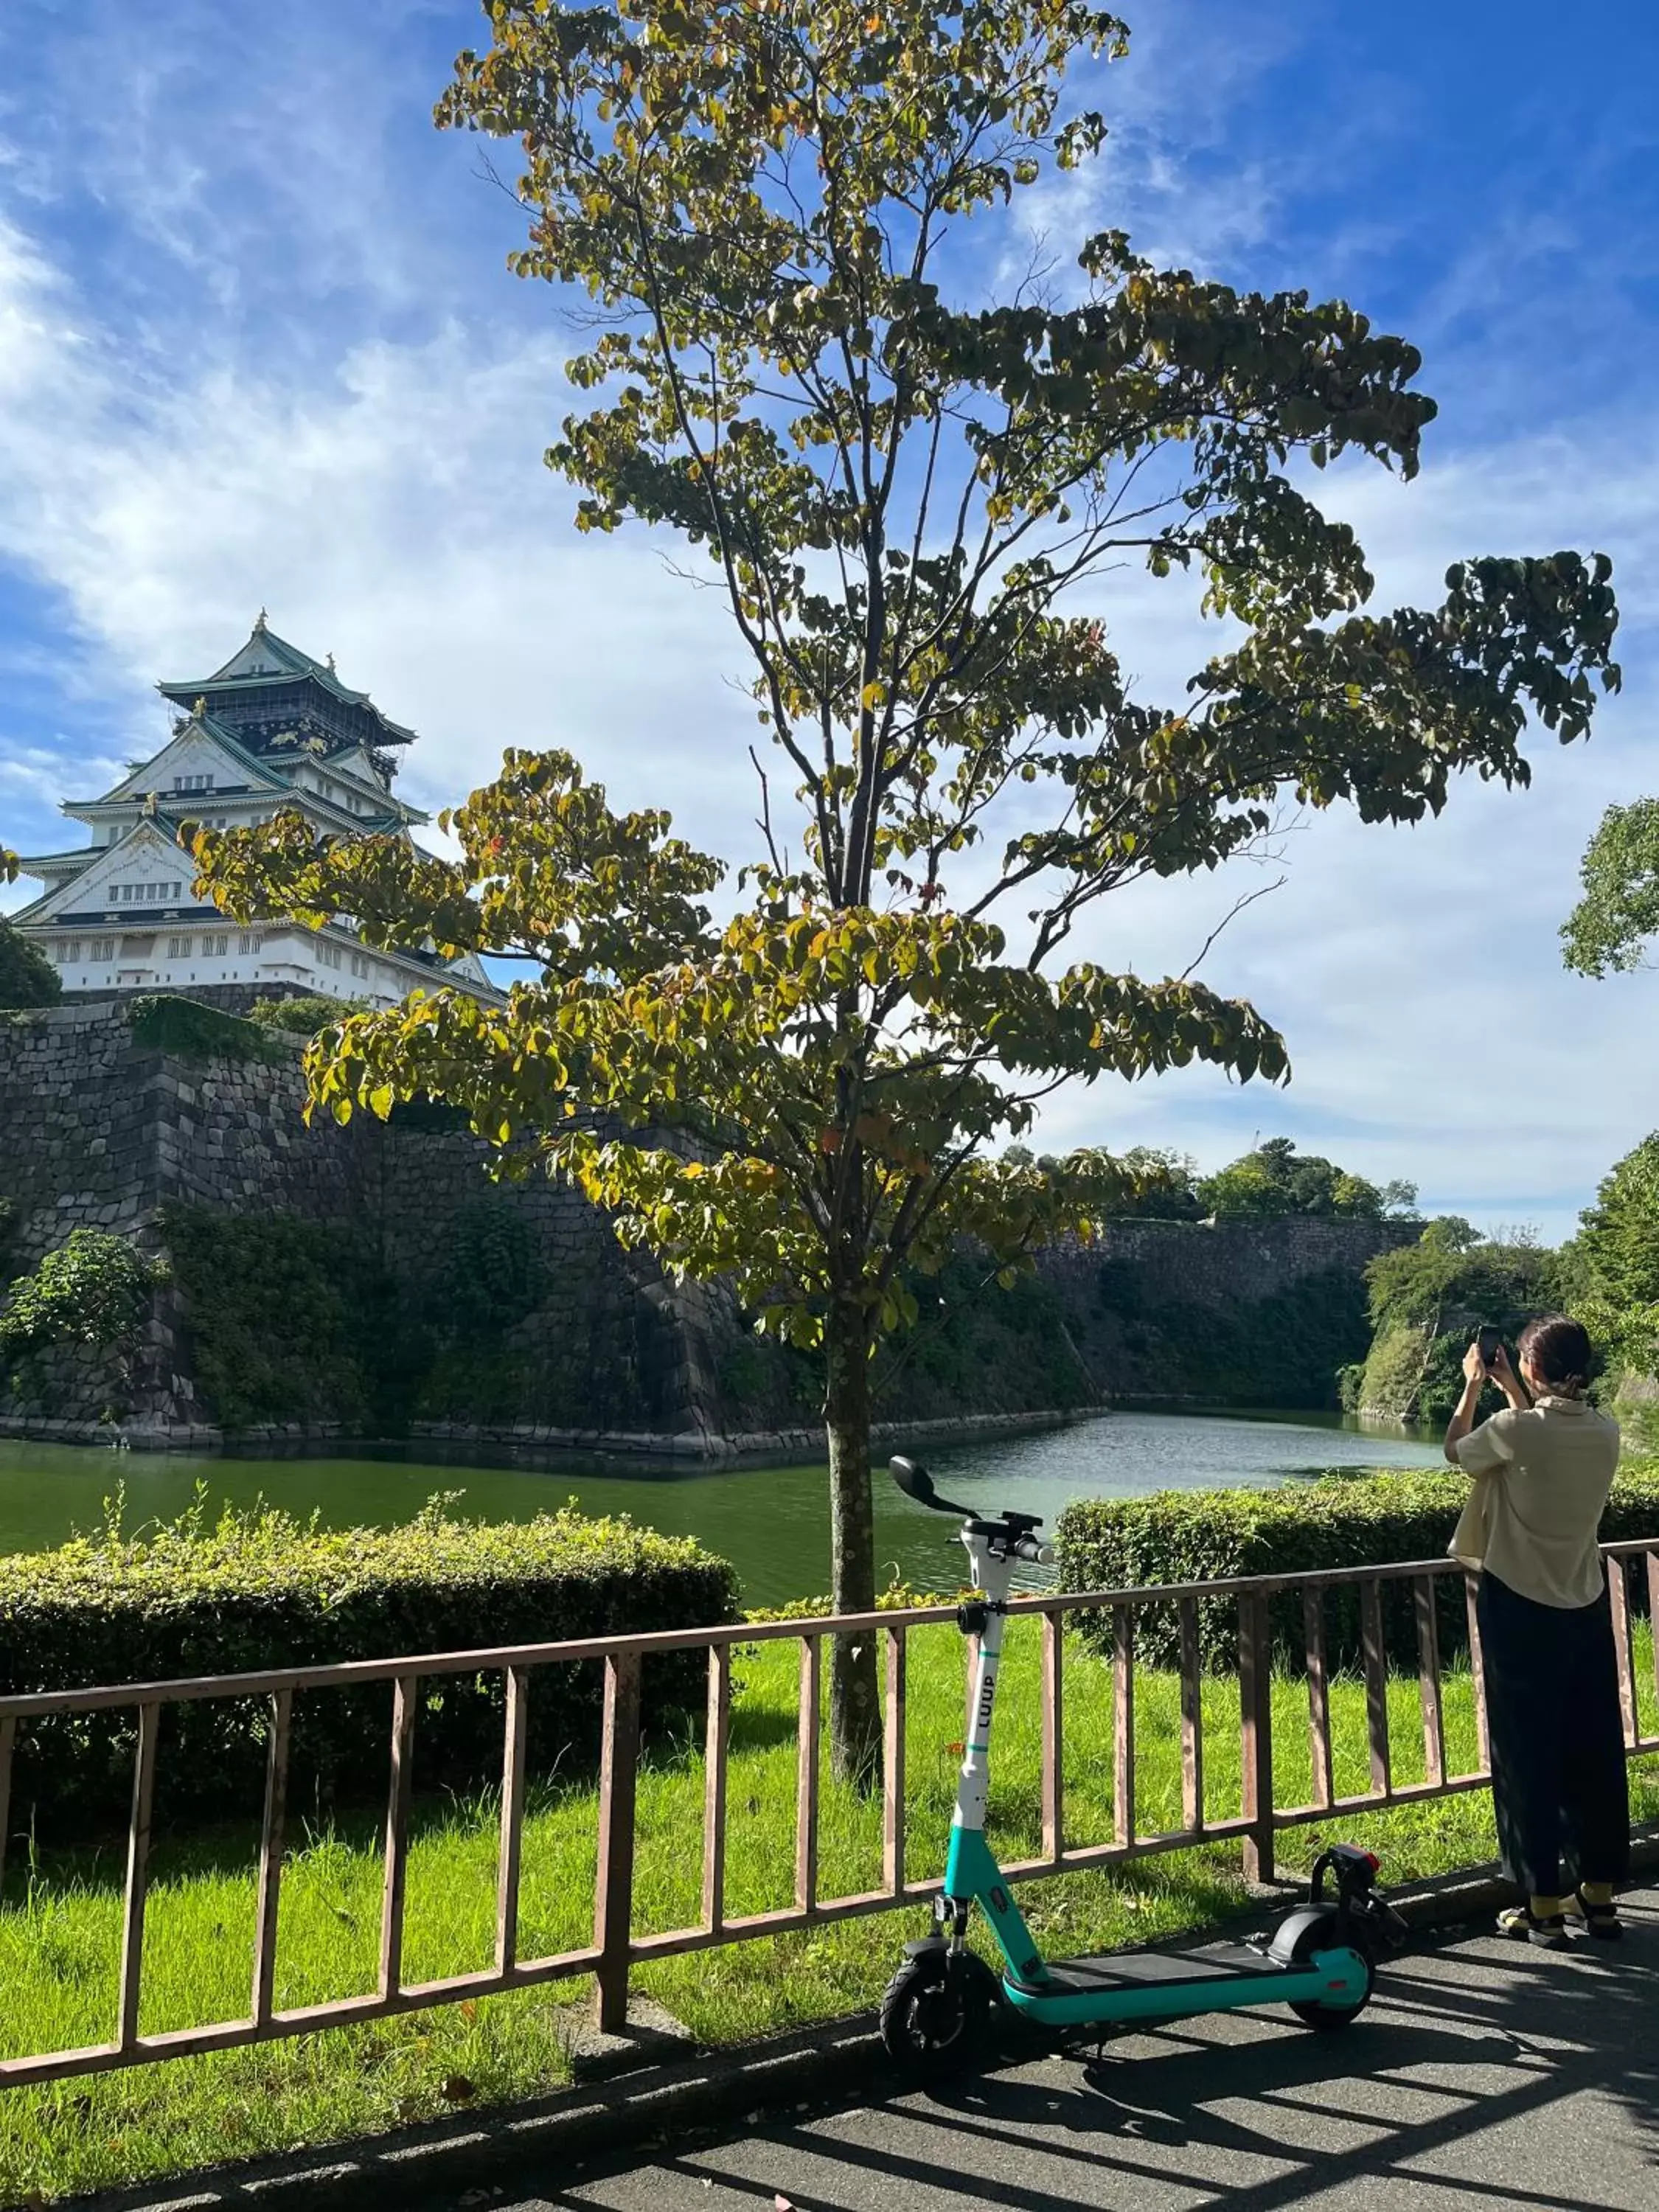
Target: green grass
column 60, row 1925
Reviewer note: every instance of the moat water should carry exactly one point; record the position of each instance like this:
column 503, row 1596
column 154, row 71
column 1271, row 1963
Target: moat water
column 771, row 1522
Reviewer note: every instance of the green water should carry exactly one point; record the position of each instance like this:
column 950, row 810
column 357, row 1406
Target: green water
column 771, row 1522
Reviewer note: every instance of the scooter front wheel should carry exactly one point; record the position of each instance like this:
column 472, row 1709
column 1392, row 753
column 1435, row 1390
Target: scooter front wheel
column 933, row 2015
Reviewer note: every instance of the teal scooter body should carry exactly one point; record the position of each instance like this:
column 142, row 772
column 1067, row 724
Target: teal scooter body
column 1320, row 1962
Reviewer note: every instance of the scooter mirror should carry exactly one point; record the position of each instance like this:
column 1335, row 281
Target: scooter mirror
column 913, row 1478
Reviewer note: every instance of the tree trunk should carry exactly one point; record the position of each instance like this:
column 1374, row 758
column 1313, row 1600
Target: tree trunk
column 854, row 1704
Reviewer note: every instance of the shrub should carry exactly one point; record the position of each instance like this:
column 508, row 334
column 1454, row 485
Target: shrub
column 1342, row 1520
column 303, row 1016
column 94, row 1289
column 191, row 1031
column 259, row 1589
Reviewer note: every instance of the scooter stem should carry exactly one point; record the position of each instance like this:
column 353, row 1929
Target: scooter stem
column 994, row 1576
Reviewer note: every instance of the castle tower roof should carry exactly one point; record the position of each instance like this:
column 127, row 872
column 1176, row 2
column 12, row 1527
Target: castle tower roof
column 272, row 695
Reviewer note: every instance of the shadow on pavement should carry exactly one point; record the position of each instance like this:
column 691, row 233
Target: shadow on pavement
column 1453, row 2090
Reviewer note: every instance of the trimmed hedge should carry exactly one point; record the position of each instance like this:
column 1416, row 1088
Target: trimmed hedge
column 1340, row 1521
column 260, row 1590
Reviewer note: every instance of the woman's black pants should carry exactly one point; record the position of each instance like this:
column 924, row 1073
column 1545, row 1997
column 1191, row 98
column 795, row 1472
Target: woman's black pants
column 1559, row 1783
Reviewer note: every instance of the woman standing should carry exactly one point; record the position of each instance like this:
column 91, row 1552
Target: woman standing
column 1542, row 1470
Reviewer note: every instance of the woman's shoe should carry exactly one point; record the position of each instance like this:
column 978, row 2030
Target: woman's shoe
column 1548, row 1930
column 1601, row 1918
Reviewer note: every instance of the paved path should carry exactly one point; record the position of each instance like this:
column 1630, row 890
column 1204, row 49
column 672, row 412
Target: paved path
column 1484, row 2075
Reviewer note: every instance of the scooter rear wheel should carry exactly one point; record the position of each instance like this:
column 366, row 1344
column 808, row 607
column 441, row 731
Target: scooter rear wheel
column 1327, row 2019
column 933, row 2015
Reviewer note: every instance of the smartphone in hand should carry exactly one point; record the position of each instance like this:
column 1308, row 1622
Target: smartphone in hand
column 1491, row 1344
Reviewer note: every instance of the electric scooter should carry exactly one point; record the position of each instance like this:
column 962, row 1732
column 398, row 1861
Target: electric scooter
column 1320, row 1962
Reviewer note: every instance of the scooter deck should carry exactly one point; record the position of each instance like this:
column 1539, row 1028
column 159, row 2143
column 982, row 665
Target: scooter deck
column 1070, row 1977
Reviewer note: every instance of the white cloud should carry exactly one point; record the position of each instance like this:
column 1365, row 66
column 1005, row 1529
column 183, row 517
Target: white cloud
column 397, row 515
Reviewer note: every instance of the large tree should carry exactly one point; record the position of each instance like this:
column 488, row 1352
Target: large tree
column 1617, row 916
column 912, row 478
column 27, row 978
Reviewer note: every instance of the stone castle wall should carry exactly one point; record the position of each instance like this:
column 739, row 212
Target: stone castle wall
column 98, row 1130
column 1214, row 1263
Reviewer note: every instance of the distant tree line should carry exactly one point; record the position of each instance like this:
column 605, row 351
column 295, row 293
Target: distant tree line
column 1266, row 1184
column 1426, row 1299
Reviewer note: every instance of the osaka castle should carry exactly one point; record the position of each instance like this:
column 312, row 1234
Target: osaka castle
column 272, row 731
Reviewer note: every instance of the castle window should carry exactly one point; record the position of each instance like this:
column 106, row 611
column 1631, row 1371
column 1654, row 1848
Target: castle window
column 103, row 949
column 216, row 947
column 72, row 952
column 179, row 948
column 359, row 965
column 247, row 942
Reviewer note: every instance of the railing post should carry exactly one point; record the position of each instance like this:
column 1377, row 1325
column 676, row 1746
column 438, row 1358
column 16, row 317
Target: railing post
column 807, row 1775
column 8, row 1745
column 613, row 1907
column 1478, row 1672
column 1376, row 1686
column 1053, row 1737
column 510, row 1851
column 1192, row 1719
column 1619, row 1602
column 399, row 1792
column 270, row 1858
column 1256, row 1734
column 1319, row 1695
column 714, row 1787
column 1123, row 1724
column 1428, row 1681
column 132, row 1929
column 892, row 1808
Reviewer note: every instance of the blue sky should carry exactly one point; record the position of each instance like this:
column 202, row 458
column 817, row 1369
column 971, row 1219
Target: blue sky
column 258, row 346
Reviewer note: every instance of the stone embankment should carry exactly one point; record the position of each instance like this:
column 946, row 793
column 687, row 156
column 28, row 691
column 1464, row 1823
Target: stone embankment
column 533, row 1444
column 100, row 1129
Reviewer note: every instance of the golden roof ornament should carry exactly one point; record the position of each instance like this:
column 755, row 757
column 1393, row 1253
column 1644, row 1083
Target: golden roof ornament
column 259, row 622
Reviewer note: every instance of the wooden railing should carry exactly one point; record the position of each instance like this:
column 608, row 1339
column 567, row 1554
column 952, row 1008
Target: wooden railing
column 615, row 1948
